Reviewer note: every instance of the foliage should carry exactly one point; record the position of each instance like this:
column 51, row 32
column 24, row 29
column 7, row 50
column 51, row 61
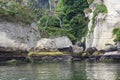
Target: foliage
column 90, row 1
column 49, row 26
column 60, row 5
column 99, row 9
column 116, row 32
column 67, row 18
column 15, row 12
column 72, row 14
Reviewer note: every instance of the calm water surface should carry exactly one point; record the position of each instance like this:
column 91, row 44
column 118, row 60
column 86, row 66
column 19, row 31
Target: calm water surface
column 61, row 71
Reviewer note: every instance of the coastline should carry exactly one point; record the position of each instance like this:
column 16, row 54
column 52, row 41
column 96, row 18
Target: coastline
column 34, row 57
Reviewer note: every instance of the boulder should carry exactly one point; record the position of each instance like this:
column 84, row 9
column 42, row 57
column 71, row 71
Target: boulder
column 81, row 44
column 48, row 44
column 91, row 50
column 110, row 48
column 77, row 50
column 111, row 55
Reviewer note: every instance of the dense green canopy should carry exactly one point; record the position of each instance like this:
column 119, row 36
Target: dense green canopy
column 67, row 18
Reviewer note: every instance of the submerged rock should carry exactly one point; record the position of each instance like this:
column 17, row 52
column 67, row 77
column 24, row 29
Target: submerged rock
column 49, row 56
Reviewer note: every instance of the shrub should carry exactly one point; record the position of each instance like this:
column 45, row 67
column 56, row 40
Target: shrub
column 15, row 12
column 116, row 32
column 49, row 26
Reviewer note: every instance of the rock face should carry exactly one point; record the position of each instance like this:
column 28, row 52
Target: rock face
column 104, row 24
column 118, row 46
column 91, row 50
column 47, row 44
column 17, row 36
column 110, row 48
column 76, row 49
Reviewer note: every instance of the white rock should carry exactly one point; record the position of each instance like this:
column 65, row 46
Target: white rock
column 16, row 35
column 53, row 44
column 112, row 53
column 104, row 25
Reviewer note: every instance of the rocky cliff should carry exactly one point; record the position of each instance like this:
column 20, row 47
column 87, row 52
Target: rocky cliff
column 17, row 36
column 104, row 23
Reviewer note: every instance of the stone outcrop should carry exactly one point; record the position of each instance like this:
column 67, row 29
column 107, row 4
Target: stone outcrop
column 110, row 48
column 104, row 24
column 77, row 49
column 17, row 36
column 118, row 45
column 91, row 50
column 47, row 44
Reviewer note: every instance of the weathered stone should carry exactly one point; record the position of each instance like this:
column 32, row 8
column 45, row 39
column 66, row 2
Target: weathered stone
column 91, row 50
column 47, row 44
column 81, row 44
column 110, row 48
column 111, row 55
column 104, row 24
column 17, row 36
column 76, row 49
column 118, row 45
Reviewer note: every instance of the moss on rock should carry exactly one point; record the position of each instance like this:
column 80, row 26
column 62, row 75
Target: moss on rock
column 99, row 9
column 46, row 53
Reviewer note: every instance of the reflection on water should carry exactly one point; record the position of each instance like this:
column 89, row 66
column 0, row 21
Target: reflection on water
column 60, row 71
column 102, row 71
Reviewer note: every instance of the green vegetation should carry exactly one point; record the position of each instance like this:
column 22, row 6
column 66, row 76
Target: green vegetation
column 76, row 18
column 12, row 61
column 73, row 18
column 90, row 1
column 15, row 12
column 47, row 53
column 67, row 18
column 116, row 32
column 49, row 26
column 99, row 9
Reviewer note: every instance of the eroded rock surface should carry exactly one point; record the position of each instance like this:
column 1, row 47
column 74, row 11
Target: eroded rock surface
column 47, row 44
column 17, row 36
column 104, row 24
